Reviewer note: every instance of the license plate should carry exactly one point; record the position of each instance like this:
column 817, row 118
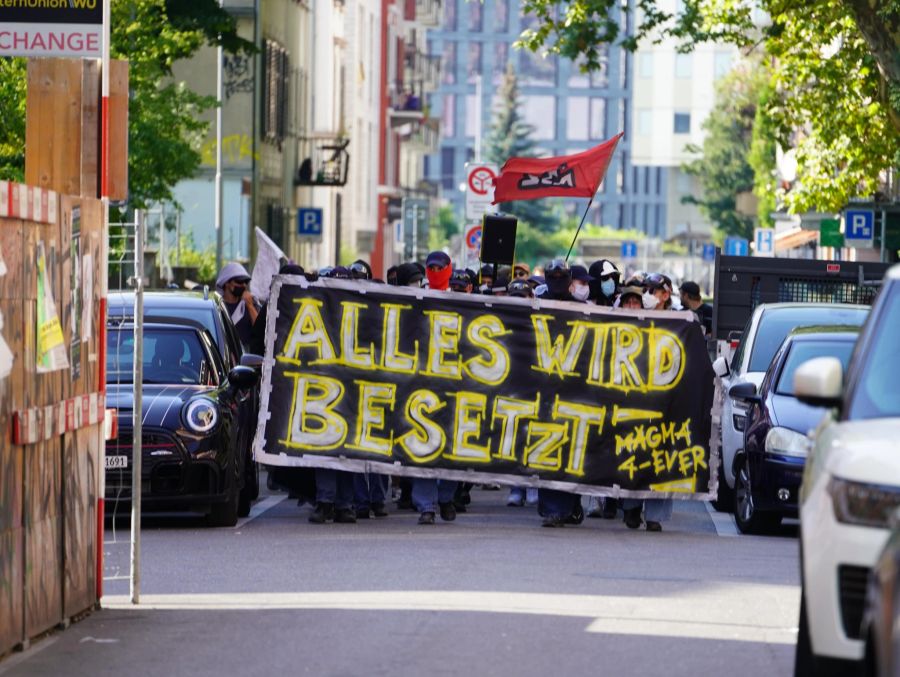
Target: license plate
column 116, row 462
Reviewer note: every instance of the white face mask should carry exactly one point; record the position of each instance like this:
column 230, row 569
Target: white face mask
column 649, row 300
column 581, row 292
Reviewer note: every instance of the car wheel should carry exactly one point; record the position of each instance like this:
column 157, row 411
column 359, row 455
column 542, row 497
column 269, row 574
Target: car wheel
column 748, row 519
column 226, row 514
column 804, row 661
column 725, row 500
column 252, row 479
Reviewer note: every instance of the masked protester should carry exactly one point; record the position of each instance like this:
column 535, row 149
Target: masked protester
column 460, row 281
column 487, row 279
column 657, row 295
column 580, row 288
column 605, row 283
column 558, row 279
column 438, row 271
column 392, row 275
column 233, row 282
column 360, row 270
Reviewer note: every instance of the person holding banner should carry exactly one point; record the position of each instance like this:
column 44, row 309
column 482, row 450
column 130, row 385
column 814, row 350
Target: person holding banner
column 657, row 295
column 605, row 283
column 243, row 309
column 431, row 495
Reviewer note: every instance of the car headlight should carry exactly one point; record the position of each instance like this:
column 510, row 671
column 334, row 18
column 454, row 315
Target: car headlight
column 786, row 442
column 868, row 505
column 201, row 415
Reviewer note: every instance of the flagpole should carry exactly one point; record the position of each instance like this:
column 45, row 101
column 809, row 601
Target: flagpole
column 583, row 217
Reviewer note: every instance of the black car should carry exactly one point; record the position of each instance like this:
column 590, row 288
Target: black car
column 207, row 308
column 881, row 618
column 769, row 469
column 194, row 450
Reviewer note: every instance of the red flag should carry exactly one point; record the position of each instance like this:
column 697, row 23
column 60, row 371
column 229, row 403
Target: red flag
column 578, row 175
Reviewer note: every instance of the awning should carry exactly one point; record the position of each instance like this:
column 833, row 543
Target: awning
column 795, row 238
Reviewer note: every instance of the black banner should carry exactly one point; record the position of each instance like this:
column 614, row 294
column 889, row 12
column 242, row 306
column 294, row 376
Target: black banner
column 52, row 11
column 361, row 376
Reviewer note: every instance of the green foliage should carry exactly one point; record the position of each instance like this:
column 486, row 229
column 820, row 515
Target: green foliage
column 835, row 74
column 204, row 261
column 12, row 121
column 510, row 136
column 537, row 248
column 444, row 225
column 762, row 158
column 722, row 167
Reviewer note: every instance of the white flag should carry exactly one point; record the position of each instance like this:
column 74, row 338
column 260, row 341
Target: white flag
column 269, row 258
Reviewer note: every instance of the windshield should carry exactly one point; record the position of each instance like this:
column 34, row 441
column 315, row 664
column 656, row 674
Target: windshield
column 876, row 394
column 170, row 357
column 776, row 323
column 801, row 351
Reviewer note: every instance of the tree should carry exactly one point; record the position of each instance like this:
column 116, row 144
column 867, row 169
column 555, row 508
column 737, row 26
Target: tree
column 722, row 166
column 510, row 136
column 444, row 225
column 834, row 66
column 164, row 126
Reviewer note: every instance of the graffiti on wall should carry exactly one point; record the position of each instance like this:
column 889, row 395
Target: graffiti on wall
column 235, row 148
column 238, row 75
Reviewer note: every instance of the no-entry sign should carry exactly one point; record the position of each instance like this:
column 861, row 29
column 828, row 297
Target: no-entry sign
column 51, row 28
column 479, row 188
column 473, row 237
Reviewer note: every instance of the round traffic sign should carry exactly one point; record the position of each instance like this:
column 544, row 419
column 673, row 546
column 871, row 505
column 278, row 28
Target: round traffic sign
column 481, row 179
column 473, row 237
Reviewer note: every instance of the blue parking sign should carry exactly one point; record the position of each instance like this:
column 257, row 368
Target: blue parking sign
column 859, row 227
column 736, row 246
column 309, row 222
column 629, row 250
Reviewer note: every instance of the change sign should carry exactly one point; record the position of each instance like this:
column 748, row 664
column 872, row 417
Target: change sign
column 363, row 377
column 51, row 28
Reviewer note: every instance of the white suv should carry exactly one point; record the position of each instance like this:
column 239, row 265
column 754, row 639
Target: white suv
column 851, row 486
column 762, row 336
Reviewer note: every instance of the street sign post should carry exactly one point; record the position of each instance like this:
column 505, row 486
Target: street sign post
column 415, row 226
column 859, row 228
column 473, row 238
column 830, row 233
column 479, row 189
column 736, row 246
column 309, row 222
column 764, row 241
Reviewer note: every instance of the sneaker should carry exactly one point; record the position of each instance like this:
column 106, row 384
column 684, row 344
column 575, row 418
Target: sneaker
column 459, row 506
column 610, row 507
column 448, row 511
column 362, row 513
column 594, row 507
column 554, row 521
column 653, row 526
column 515, row 500
column 379, row 510
column 633, row 518
column 323, row 513
column 531, row 496
column 346, row 516
column 577, row 516
column 426, row 518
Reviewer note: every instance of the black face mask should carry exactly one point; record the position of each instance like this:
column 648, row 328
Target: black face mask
column 558, row 286
column 238, row 290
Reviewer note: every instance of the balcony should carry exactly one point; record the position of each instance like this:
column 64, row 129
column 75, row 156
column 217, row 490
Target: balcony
column 428, row 13
column 424, row 135
column 324, row 161
column 407, row 105
column 421, row 67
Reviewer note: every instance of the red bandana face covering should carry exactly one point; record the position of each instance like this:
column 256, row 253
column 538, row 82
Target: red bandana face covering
column 439, row 279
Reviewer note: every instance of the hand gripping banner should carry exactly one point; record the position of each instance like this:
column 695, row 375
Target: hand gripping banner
column 367, row 377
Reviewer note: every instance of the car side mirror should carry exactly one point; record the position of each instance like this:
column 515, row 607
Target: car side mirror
column 251, row 360
column 243, row 377
column 744, row 391
column 820, row 382
column 720, row 367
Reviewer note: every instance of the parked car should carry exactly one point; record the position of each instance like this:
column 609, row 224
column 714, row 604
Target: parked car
column 193, row 450
column 881, row 618
column 207, row 308
column 765, row 331
column 851, row 486
column 769, row 467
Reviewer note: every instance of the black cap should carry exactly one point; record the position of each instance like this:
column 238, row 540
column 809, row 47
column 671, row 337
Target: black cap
column 658, row 281
column 407, row 273
column 691, row 289
column 360, row 270
column 437, row 258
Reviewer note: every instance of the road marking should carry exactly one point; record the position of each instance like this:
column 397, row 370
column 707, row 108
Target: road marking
column 722, row 521
column 693, row 630
column 716, row 611
column 259, row 508
column 16, row 659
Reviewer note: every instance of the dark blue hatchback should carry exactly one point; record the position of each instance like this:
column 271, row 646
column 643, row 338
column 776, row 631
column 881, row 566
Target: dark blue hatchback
column 768, row 472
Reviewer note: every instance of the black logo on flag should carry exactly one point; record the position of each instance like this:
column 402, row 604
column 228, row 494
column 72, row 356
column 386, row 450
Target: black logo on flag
column 561, row 177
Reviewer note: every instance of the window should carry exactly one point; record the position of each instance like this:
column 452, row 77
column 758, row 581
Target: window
column 635, row 180
column 450, row 15
column 645, row 64
column 683, row 183
column 471, row 115
column 475, row 16
column 448, row 119
column 801, row 351
column 473, row 68
column 620, row 176
column 536, row 70
column 682, row 123
column 623, row 68
column 448, row 168
column 876, row 394
column 501, row 15
column 659, row 181
column 645, row 122
column 598, row 118
column 647, row 180
column 577, row 120
column 683, row 65
column 501, row 55
column 623, row 117
column 721, row 64
column 540, row 113
column 276, row 70
column 448, row 68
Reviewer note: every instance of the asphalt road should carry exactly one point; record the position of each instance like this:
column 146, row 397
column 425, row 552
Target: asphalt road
column 489, row 594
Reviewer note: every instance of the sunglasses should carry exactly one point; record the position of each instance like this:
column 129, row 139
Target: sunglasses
column 359, row 272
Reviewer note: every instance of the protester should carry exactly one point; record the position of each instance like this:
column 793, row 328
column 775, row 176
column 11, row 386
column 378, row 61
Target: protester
column 409, row 275
column 460, row 281
column 605, row 283
column 692, row 300
column 520, row 288
column 487, row 279
column 580, row 288
column 334, row 497
column 630, row 298
column 360, row 270
column 428, row 494
column 521, row 271
column 233, row 283
column 257, row 343
column 657, row 295
column 391, row 275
